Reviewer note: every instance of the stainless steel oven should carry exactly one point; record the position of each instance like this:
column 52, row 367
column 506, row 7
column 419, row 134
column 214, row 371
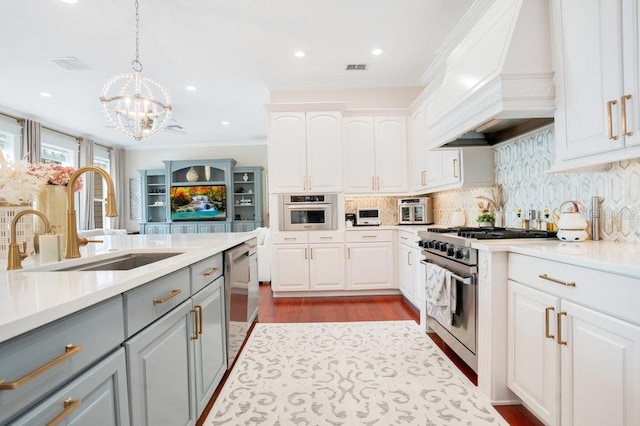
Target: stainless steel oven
column 308, row 212
column 451, row 249
column 462, row 336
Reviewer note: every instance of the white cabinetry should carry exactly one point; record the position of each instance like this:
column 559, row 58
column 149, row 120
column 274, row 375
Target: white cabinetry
column 410, row 269
column 305, row 261
column 305, row 151
column 375, row 150
column 418, row 150
column 457, row 168
column 598, row 82
column 370, row 260
column 573, row 355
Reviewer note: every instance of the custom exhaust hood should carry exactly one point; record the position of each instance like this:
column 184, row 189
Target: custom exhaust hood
column 497, row 81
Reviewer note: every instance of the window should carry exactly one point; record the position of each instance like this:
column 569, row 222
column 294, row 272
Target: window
column 10, row 136
column 101, row 159
column 58, row 148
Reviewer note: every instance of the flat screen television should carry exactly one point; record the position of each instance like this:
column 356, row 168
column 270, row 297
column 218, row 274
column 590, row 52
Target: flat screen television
column 206, row 202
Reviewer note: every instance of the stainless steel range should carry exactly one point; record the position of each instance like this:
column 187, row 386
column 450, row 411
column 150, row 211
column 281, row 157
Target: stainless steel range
column 450, row 248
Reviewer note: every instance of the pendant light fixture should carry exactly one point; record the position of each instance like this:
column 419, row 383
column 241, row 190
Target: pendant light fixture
column 135, row 104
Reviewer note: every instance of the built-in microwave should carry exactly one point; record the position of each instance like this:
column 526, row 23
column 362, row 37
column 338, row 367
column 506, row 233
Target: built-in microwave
column 303, row 212
column 368, row 216
column 415, row 211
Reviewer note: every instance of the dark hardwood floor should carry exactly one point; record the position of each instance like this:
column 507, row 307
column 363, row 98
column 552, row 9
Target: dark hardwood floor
column 362, row 308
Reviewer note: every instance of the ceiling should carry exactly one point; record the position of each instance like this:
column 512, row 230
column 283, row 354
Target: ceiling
column 234, row 52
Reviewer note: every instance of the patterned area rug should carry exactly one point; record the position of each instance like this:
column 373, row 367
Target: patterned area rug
column 351, row 373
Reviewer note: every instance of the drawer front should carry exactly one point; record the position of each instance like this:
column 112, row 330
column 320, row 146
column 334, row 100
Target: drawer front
column 605, row 292
column 291, row 237
column 91, row 334
column 366, row 236
column 97, row 397
column 145, row 304
column 205, row 272
column 408, row 238
column 326, row 237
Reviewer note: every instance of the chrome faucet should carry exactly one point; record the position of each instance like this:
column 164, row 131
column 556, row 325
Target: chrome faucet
column 15, row 256
column 73, row 242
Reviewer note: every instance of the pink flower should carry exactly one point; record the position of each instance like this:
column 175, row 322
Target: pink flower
column 55, row 174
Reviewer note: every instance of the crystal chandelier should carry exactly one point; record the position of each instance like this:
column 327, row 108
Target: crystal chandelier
column 136, row 105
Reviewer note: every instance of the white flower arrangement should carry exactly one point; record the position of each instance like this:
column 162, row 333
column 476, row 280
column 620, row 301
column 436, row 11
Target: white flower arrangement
column 18, row 184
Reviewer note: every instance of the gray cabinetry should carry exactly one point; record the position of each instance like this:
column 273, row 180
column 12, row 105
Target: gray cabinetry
column 77, row 342
column 161, row 375
column 210, row 346
column 173, row 197
column 96, row 397
column 154, row 195
column 247, row 198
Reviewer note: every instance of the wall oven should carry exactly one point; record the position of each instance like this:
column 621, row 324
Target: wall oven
column 308, row 212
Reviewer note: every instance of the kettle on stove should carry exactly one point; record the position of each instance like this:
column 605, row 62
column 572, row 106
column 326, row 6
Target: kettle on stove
column 572, row 223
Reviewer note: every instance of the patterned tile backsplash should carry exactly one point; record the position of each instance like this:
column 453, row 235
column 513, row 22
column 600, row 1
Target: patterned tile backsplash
column 388, row 207
column 520, row 169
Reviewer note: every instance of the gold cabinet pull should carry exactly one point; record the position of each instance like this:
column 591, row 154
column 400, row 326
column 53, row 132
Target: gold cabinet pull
column 559, row 319
column 557, row 281
column 409, row 259
column 210, row 271
column 373, row 183
column 69, row 351
column 623, row 112
column 547, row 334
column 195, row 324
column 311, row 253
column 422, row 177
column 290, row 238
column 369, row 236
column 171, row 295
column 349, row 253
column 69, row 406
column 199, row 309
column 378, row 183
column 455, row 167
column 326, row 238
column 309, row 182
column 305, row 254
column 610, row 120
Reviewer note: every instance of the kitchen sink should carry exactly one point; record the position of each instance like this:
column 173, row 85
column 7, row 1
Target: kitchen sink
column 121, row 263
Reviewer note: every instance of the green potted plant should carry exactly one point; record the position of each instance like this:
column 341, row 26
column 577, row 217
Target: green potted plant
column 485, row 219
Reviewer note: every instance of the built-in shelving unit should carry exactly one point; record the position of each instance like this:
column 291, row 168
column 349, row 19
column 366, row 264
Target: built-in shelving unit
column 247, row 198
column 237, row 206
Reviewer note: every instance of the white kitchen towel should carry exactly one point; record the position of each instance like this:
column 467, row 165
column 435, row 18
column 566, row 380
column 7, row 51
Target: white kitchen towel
column 440, row 295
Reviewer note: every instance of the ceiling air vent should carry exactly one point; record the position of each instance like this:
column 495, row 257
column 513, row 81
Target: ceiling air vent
column 356, row 67
column 70, row 63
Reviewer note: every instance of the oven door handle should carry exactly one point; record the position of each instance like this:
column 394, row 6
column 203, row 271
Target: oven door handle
column 307, row 207
column 466, row 281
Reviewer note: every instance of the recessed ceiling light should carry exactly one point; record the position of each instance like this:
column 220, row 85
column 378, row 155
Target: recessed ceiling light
column 376, row 52
column 45, row 94
column 299, row 54
column 191, row 88
column 224, row 123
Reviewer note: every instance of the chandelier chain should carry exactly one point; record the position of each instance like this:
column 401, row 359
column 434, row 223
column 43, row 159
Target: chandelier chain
column 137, row 66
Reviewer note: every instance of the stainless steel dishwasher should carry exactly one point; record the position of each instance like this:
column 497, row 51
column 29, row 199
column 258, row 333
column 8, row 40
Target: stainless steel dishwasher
column 241, row 290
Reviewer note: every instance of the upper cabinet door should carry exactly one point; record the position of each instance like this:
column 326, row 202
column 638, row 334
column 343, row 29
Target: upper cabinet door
column 391, row 154
column 324, row 151
column 287, row 152
column 589, row 45
column 359, row 156
column 418, row 149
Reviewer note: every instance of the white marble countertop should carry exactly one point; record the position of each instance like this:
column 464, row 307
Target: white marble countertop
column 36, row 295
column 607, row 256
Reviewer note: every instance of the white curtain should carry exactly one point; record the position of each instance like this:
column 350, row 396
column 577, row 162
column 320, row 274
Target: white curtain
column 85, row 207
column 117, row 163
column 31, row 140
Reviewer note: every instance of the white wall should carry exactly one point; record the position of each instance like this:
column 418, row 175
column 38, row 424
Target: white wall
column 245, row 155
